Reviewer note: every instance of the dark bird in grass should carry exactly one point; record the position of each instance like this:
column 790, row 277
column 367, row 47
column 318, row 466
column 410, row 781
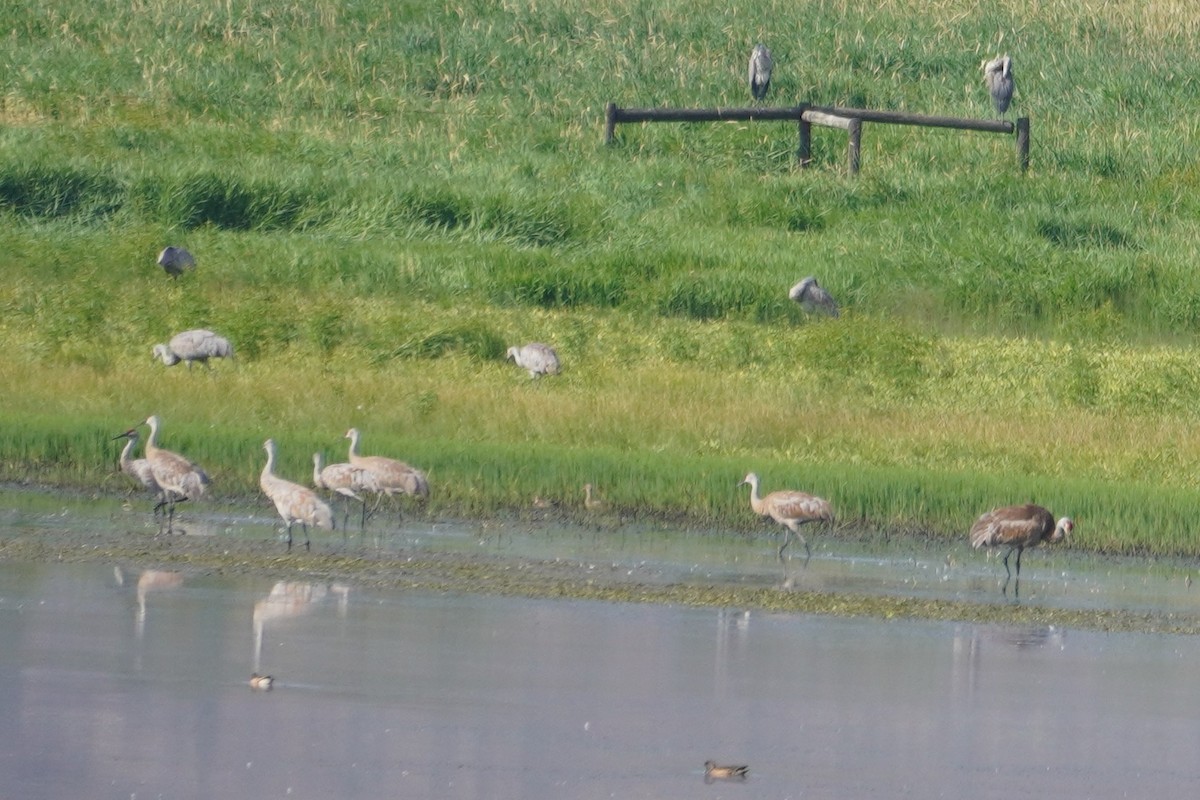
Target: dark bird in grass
column 760, row 71
column 175, row 261
column 717, row 772
column 813, row 298
column 1018, row 527
column 998, row 76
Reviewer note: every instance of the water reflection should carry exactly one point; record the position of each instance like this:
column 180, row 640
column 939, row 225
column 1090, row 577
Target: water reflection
column 150, row 580
column 288, row 600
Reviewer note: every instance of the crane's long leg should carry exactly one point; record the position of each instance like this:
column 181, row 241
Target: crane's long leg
column 289, row 539
column 1006, row 555
column 787, row 539
column 307, row 544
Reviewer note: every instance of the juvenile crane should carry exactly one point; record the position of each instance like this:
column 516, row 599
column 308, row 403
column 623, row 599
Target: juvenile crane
column 180, row 479
column 295, row 503
column 139, row 468
column 761, row 66
column 391, row 477
column 998, row 76
column 1018, row 527
column 812, row 297
column 175, row 260
column 791, row 509
column 195, row 345
column 590, row 501
column 539, row 359
column 346, row 480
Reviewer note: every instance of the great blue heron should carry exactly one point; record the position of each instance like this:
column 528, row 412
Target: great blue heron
column 175, row 260
column 295, row 503
column 196, row 345
column 179, row 479
column 538, row 358
column 760, row 71
column 998, row 75
column 812, row 297
column 1018, row 527
column 791, row 509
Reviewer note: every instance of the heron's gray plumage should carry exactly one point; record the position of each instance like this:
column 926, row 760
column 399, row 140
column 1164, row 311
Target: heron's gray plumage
column 760, row 71
column 812, row 297
column 538, row 358
column 196, row 345
column 175, row 260
column 998, row 75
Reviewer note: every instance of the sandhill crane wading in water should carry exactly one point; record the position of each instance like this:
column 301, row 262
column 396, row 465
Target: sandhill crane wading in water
column 812, row 297
column 761, row 66
column 139, row 468
column 346, row 480
column 391, row 477
column 295, row 503
column 196, row 345
column 998, row 76
column 179, row 479
column 540, row 359
column 791, row 509
column 1018, row 527
column 175, row 260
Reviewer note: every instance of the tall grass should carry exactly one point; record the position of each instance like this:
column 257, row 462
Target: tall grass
column 382, row 198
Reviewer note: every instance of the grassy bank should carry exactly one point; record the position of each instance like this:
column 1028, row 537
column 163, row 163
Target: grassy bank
column 382, row 198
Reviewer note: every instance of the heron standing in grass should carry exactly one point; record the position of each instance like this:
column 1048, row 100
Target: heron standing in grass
column 998, row 76
column 761, row 66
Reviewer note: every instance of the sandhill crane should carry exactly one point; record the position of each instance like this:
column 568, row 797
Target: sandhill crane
column 179, row 479
column 716, row 772
column 391, row 476
column 295, row 503
column 139, row 468
column 195, row 345
column 790, row 509
column 175, row 260
column 1018, row 527
column 760, row 71
column 346, row 480
column 998, row 76
column 590, row 501
column 538, row 358
column 812, row 297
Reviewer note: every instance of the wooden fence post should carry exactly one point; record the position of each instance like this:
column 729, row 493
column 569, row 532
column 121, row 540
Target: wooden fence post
column 804, row 152
column 1023, row 143
column 854, row 148
column 610, row 122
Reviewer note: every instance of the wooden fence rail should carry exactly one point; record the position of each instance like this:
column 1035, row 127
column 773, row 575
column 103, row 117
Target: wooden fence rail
column 848, row 119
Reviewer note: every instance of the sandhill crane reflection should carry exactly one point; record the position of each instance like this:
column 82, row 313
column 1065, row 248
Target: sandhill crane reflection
column 346, row 480
column 195, row 345
column 540, row 359
column 998, row 76
column 717, row 772
column 761, row 66
column 812, row 297
column 179, row 479
column 139, row 468
column 390, row 476
column 175, row 260
column 1018, row 527
column 295, row 503
column 791, row 509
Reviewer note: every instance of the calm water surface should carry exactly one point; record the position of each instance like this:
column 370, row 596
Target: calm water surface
column 134, row 685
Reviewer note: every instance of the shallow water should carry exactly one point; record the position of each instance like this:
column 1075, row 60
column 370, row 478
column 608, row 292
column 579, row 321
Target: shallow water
column 134, row 684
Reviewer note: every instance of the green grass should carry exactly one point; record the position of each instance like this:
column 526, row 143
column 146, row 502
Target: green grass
column 381, row 198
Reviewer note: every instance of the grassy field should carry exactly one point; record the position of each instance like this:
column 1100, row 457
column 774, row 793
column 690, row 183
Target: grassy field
column 382, row 197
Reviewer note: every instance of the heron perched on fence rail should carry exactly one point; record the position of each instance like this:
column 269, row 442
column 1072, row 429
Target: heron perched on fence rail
column 807, row 115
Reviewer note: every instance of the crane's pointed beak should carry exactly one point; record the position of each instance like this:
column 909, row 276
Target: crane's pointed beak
column 126, row 434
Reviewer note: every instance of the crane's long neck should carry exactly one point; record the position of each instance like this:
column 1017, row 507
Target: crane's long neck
column 269, row 467
column 152, row 439
column 317, row 469
column 755, row 500
column 127, row 451
column 353, row 446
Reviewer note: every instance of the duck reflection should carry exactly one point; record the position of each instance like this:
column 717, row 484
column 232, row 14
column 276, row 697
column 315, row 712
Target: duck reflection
column 288, row 600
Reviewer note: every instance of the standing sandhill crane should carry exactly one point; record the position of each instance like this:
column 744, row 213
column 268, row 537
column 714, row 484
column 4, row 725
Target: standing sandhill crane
column 175, row 260
column 760, row 71
column 391, row 476
column 538, row 358
column 790, row 509
column 196, row 345
column 139, row 468
column 346, row 480
column 1018, row 527
column 998, row 76
column 179, row 479
column 812, row 297
column 295, row 503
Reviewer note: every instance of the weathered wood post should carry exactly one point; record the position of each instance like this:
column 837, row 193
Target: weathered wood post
column 1023, row 143
column 854, row 148
column 610, row 122
column 804, row 151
